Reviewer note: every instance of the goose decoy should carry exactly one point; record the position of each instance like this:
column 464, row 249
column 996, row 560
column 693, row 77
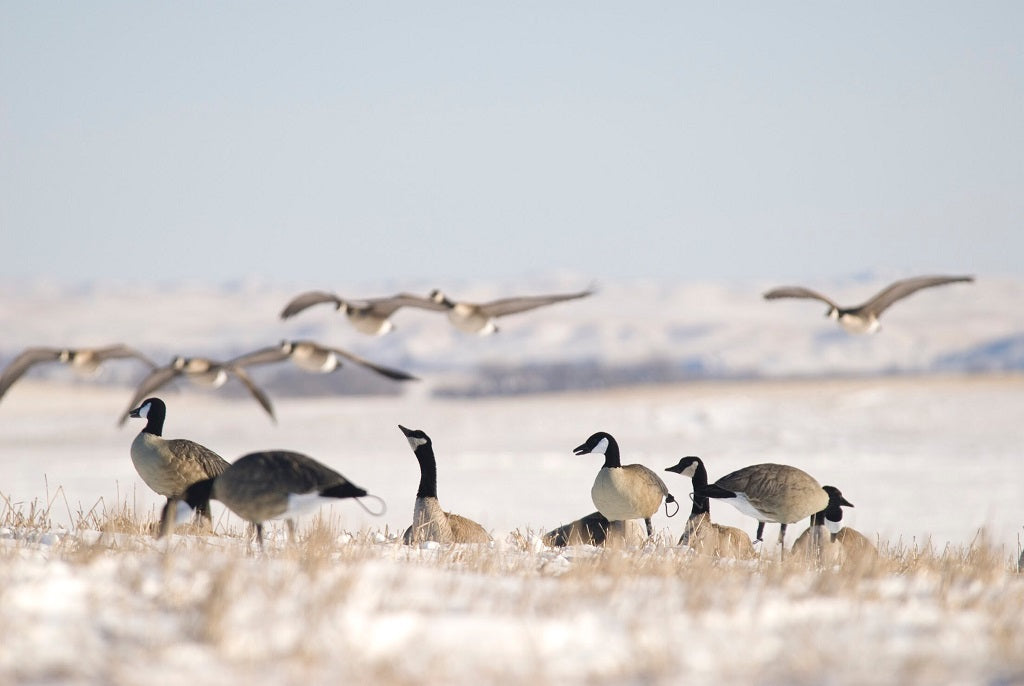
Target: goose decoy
column 771, row 493
column 818, row 542
column 314, row 357
column 203, row 372
column 623, row 492
column 371, row 316
column 83, row 361
column 701, row 534
column 479, row 317
column 864, row 317
column 429, row 521
column 169, row 467
column 260, row 486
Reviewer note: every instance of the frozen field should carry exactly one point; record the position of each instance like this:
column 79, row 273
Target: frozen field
column 928, row 461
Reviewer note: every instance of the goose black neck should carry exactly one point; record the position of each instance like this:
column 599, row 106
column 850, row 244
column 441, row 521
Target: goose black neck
column 611, row 454
column 701, row 504
column 155, row 420
column 428, row 472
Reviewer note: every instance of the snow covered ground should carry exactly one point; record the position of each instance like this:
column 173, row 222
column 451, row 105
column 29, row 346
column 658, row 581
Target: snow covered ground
column 927, row 461
column 930, row 459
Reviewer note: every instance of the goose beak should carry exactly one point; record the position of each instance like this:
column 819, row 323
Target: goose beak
column 580, row 450
column 677, row 468
column 135, row 413
column 407, row 432
column 844, row 502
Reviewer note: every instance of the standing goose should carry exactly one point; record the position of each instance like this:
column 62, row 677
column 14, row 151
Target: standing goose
column 274, row 484
column 169, row 467
column 429, row 521
column 818, row 542
column 83, row 361
column 314, row 357
column 371, row 316
column 203, row 372
column 479, row 317
column 864, row 318
column 771, row 493
column 621, row 493
column 701, row 533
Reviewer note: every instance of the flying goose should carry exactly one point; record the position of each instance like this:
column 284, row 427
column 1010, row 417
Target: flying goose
column 701, row 534
column 371, row 316
column 429, row 521
column 818, row 542
column 83, row 361
column 314, row 357
column 201, row 371
column 260, row 486
column 864, row 317
column 771, row 493
column 621, row 493
column 479, row 317
column 169, row 467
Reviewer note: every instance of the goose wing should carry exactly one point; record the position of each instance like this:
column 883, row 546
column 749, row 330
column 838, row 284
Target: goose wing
column 901, row 289
column 154, row 380
column 120, row 351
column 387, row 306
column 396, row 374
column 268, row 355
column 798, row 292
column 194, row 461
column 20, row 364
column 505, row 306
column 288, row 471
column 256, row 391
column 308, row 299
column 648, row 476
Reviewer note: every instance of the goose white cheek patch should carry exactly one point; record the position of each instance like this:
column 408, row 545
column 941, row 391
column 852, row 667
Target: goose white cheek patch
column 601, row 447
column 416, row 442
column 144, row 411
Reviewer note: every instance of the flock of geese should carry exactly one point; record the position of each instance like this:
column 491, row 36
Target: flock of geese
column 280, row 484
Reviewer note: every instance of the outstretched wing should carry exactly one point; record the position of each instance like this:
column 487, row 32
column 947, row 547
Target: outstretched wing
column 505, row 306
column 154, row 380
column 902, row 289
column 396, row 374
column 387, row 306
column 308, row 299
column 261, row 356
column 121, row 351
column 256, row 391
column 20, row 364
column 797, row 292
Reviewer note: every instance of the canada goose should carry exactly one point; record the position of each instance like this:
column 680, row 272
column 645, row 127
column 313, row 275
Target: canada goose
column 274, row 484
column 864, row 318
column 170, row 466
column 429, row 521
column 819, row 540
column 855, row 546
column 479, row 317
column 371, row 316
column 622, row 492
column 595, row 529
column 771, row 493
column 83, row 361
column 314, row 357
column 701, row 533
column 201, row 371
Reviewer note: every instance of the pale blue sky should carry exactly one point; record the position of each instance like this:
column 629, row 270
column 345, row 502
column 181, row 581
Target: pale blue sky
column 332, row 142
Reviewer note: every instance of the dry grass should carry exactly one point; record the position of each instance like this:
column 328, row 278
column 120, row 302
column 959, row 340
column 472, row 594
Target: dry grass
column 290, row 613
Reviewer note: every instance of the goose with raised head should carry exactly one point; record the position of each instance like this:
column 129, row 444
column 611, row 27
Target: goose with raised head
column 371, row 316
column 429, row 520
column 818, row 542
column 864, row 317
column 84, row 361
column 623, row 492
column 771, row 493
column 313, row 357
column 479, row 318
column 170, row 466
column 701, row 534
column 201, row 371
column 266, row 485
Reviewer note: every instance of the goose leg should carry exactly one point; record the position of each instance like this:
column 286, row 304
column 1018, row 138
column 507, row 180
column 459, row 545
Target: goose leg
column 782, row 539
column 760, row 532
column 650, row 529
column 259, row 536
column 291, row 530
